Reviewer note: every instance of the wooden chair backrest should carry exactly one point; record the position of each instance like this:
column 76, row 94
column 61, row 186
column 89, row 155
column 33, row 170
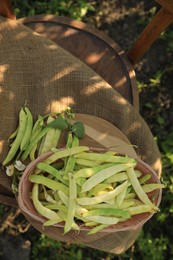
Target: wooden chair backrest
column 162, row 19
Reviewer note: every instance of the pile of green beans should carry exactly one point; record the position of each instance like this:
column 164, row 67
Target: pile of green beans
column 76, row 193
column 32, row 139
column 74, row 185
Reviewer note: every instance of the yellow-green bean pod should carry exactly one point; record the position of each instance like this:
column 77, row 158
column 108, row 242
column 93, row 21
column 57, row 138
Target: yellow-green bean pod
column 28, row 130
column 71, row 203
column 138, row 189
column 102, row 198
column 65, row 153
column 31, row 145
column 49, row 138
column 105, row 158
column 47, row 213
column 16, row 144
column 51, row 184
column 104, row 174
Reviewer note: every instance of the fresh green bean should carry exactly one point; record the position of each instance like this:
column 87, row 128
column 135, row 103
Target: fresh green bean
column 42, row 197
column 56, row 138
column 49, row 214
column 145, row 178
column 71, row 161
column 87, row 163
column 31, row 145
column 68, row 145
column 117, row 177
column 54, row 150
column 138, row 189
column 122, row 176
column 51, row 170
column 65, row 153
column 80, row 210
column 140, row 209
column 103, row 175
column 28, row 130
column 63, row 215
column 152, row 186
column 105, row 158
column 71, row 203
column 108, row 212
column 120, row 197
column 57, row 207
column 47, row 196
column 63, row 197
column 56, row 197
column 51, row 184
column 100, row 188
column 52, row 222
column 97, row 229
column 88, row 172
column 102, row 198
column 32, row 152
column 130, row 195
column 126, row 203
column 69, row 140
column 14, row 134
column 90, row 223
column 16, row 144
column 75, row 141
column 70, row 164
column 49, row 138
column 40, row 144
column 136, row 202
column 38, row 126
column 80, row 181
column 104, row 220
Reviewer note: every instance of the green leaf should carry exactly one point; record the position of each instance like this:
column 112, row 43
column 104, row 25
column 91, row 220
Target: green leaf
column 78, row 129
column 60, row 123
column 160, row 120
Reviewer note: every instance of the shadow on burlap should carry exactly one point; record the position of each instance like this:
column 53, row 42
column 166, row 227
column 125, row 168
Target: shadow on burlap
column 37, row 71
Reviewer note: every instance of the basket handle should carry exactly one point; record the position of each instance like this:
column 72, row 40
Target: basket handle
column 158, row 24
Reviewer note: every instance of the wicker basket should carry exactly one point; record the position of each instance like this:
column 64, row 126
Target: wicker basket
column 137, row 221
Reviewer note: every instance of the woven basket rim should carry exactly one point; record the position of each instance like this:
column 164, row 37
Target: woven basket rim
column 135, row 222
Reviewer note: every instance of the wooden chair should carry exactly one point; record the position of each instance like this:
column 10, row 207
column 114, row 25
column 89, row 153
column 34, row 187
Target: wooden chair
column 96, row 49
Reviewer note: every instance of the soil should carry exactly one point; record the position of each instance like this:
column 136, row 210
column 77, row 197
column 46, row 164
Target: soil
column 122, row 21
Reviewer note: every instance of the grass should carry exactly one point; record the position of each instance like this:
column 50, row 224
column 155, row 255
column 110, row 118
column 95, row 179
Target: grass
column 76, row 9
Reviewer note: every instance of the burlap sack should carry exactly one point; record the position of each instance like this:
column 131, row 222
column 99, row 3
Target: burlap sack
column 37, row 71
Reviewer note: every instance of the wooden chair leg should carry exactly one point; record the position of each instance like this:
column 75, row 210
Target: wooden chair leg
column 158, row 24
column 6, row 9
